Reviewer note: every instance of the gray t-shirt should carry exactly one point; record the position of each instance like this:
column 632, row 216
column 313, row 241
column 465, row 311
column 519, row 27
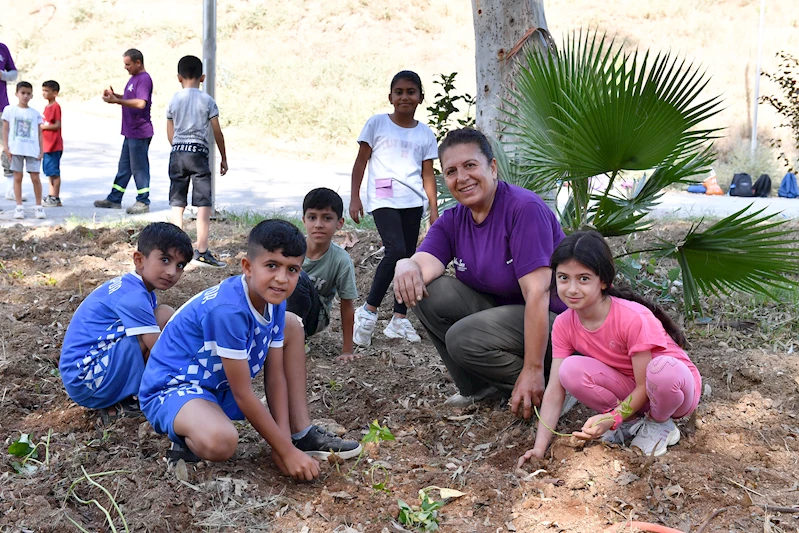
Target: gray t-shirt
column 191, row 109
column 332, row 274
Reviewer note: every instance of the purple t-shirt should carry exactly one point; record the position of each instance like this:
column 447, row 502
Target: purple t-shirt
column 518, row 236
column 6, row 63
column 136, row 122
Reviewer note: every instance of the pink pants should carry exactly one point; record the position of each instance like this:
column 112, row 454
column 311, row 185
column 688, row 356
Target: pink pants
column 669, row 386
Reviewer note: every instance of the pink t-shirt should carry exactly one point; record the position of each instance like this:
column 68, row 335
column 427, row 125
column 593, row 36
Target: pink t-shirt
column 629, row 328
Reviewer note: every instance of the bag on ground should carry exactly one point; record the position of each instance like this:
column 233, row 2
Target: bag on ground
column 788, row 186
column 762, row 187
column 697, row 189
column 741, row 185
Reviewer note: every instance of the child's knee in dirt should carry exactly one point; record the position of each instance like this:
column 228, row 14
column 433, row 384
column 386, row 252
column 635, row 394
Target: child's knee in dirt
column 217, row 442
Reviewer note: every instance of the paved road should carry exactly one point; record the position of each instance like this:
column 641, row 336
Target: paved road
column 255, row 182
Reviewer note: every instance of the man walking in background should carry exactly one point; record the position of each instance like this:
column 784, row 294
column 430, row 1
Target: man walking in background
column 8, row 72
column 137, row 129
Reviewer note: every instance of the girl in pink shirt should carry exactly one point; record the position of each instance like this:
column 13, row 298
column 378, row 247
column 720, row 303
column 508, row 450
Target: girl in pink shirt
column 632, row 359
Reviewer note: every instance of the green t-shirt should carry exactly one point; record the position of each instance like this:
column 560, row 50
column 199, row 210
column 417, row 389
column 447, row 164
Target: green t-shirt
column 332, row 274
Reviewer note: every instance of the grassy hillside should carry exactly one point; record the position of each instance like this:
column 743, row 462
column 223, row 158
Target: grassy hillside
column 301, row 77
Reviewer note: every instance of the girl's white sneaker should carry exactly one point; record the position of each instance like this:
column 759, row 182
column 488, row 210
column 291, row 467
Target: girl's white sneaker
column 401, row 328
column 38, row 212
column 19, row 212
column 654, row 438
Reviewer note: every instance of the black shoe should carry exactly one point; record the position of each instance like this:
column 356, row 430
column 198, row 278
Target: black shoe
column 207, row 259
column 322, row 444
column 177, row 452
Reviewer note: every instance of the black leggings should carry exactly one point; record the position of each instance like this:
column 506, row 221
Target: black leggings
column 399, row 230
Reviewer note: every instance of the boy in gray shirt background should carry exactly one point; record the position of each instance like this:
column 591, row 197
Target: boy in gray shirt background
column 188, row 115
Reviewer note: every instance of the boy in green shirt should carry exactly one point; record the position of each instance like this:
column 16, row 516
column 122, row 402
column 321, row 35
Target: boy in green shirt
column 326, row 271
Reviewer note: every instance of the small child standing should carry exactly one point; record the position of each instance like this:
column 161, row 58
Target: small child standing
column 22, row 144
column 110, row 336
column 399, row 151
column 632, row 364
column 53, row 143
column 188, row 115
column 327, row 270
column 199, row 376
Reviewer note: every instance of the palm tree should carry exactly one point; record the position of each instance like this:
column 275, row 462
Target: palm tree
column 594, row 110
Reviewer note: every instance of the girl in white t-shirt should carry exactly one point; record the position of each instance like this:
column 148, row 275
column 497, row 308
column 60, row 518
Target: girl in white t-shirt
column 633, row 370
column 399, row 151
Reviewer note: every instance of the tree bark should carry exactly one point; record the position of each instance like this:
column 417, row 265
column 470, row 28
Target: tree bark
column 499, row 26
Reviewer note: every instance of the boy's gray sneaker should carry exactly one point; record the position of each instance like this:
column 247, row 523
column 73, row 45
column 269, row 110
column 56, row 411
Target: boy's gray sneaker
column 207, row 259
column 136, row 209
column 322, row 444
column 105, row 204
column 51, row 201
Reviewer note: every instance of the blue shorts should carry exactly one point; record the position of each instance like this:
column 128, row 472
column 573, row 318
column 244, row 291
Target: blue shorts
column 161, row 409
column 51, row 164
column 120, row 378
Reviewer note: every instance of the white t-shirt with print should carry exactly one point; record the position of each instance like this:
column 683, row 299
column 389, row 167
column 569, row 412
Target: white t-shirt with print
column 395, row 168
column 23, row 130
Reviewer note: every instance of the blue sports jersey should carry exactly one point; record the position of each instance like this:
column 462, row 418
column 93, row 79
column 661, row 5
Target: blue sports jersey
column 218, row 322
column 119, row 308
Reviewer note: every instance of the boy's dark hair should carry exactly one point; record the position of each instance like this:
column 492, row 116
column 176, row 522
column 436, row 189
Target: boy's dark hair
column 590, row 250
column 411, row 76
column 134, row 55
column 165, row 236
column 323, row 198
column 273, row 235
column 190, row 67
column 466, row 136
column 24, row 85
column 52, row 85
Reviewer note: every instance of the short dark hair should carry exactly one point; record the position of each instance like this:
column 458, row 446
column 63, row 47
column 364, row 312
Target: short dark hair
column 466, row 136
column 411, row 76
column 190, row 67
column 24, row 85
column 134, row 55
column 165, row 236
column 52, row 85
column 274, row 234
column 323, row 198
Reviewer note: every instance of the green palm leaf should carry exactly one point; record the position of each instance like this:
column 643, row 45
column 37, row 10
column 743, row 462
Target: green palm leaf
column 743, row 252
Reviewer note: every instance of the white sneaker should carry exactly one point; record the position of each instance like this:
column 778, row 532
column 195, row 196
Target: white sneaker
column 10, row 196
column 401, row 328
column 654, row 438
column 620, row 434
column 460, row 400
column 365, row 322
column 38, row 212
column 19, row 212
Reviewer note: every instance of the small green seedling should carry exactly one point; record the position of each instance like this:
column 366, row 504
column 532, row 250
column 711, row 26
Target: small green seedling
column 47, row 279
column 425, row 517
column 25, row 448
column 375, row 434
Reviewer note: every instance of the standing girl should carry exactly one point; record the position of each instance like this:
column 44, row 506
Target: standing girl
column 633, row 362
column 399, row 151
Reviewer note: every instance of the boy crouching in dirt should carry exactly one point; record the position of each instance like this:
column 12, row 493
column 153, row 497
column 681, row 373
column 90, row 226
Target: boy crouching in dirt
column 113, row 330
column 200, row 373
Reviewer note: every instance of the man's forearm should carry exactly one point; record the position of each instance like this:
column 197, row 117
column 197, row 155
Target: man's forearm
column 135, row 103
column 536, row 335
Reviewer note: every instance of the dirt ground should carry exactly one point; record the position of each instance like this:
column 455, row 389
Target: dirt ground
column 739, row 452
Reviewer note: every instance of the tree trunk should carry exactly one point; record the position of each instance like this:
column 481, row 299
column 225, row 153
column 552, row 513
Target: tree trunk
column 500, row 25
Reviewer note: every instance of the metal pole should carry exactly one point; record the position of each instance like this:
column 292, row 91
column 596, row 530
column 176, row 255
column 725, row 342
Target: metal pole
column 209, row 86
column 757, row 76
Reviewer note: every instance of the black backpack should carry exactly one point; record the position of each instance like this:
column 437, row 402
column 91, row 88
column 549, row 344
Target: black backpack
column 741, row 185
column 762, row 187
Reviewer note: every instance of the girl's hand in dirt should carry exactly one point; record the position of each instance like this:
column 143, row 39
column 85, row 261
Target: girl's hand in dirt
column 529, row 455
column 347, row 357
column 409, row 285
column 356, row 209
column 595, row 427
column 297, row 465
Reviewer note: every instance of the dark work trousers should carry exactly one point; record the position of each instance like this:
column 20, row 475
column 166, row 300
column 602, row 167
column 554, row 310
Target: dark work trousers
column 399, row 230
column 481, row 343
column 133, row 161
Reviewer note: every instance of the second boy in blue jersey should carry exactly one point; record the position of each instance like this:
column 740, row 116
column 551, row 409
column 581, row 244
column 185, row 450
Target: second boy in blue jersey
column 200, row 373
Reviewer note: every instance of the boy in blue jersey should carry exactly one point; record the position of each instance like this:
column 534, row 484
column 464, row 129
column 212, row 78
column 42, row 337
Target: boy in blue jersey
column 199, row 376
column 113, row 330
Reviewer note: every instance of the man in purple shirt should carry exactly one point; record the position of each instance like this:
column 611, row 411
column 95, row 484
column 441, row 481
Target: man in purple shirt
column 490, row 322
column 8, row 72
column 137, row 129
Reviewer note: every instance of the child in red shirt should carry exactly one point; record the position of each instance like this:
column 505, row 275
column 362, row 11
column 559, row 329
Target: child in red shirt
column 53, row 144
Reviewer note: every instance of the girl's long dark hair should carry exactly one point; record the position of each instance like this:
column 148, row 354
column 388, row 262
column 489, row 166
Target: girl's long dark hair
column 590, row 249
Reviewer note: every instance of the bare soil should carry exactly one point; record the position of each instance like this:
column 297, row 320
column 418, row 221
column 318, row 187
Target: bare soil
column 738, row 453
